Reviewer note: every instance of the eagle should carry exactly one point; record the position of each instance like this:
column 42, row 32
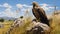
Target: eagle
column 39, row 13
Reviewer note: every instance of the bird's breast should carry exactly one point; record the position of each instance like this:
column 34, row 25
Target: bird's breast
column 36, row 14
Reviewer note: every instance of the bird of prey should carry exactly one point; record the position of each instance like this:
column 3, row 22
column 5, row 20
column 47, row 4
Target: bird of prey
column 39, row 13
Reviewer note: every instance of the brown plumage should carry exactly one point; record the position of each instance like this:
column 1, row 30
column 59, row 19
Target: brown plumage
column 39, row 13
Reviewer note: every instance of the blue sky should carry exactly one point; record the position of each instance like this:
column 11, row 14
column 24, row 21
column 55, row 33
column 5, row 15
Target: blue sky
column 14, row 2
column 10, row 7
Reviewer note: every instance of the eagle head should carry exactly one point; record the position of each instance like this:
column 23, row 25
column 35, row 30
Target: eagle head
column 35, row 4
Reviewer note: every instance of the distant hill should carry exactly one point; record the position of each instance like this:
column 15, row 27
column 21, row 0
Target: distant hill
column 8, row 18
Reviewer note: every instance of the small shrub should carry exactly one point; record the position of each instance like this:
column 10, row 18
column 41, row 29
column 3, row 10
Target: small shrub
column 1, row 20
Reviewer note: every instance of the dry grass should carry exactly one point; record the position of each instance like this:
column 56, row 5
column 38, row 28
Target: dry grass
column 6, row 26
column 22, row 29
column 55, row 26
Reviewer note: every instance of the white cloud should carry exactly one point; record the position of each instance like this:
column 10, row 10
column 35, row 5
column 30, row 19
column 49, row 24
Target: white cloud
column 46, row 7
column 0, row 5
column 51, row 7
column 22, row 5
column 26, row 5
column 44, row 4
column 24, row 8
column 7, row 5
column 9, row 13
column 19, row 5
